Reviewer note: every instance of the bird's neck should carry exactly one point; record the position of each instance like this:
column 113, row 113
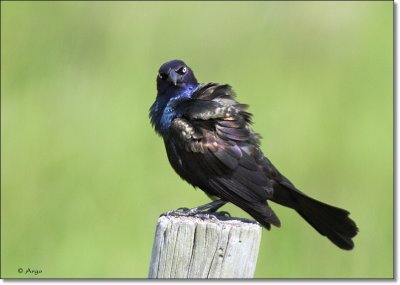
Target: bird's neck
column 162, row 112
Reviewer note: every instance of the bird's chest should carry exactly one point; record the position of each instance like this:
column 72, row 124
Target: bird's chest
column 181, row 161
column 168, row 112
column 176, row 155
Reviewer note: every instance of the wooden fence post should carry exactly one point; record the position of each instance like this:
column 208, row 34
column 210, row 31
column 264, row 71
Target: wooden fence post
column 198, row 247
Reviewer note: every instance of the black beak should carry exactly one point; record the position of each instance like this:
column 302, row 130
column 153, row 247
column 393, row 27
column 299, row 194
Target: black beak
column 173, row 77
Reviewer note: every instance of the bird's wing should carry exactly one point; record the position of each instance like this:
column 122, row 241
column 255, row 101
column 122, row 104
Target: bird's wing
column 222, row 150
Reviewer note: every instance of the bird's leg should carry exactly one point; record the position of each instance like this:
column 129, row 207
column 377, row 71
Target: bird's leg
column 211, row 207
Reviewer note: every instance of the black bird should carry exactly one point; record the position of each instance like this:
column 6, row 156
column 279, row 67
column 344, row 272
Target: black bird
column 210, row 144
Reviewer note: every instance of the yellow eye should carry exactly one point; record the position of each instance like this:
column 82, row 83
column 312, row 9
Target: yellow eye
column 182, row 70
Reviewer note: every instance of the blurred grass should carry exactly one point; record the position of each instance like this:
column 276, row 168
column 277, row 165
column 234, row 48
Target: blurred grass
column 84, row 176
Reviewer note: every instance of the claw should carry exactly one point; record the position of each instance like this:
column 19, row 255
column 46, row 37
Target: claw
column 225, row 214
column 183, row 209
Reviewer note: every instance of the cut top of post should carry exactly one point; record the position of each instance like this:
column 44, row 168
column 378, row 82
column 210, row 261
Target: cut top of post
column 198, row 247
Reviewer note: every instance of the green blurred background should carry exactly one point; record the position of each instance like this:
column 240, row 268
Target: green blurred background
column 84, row 176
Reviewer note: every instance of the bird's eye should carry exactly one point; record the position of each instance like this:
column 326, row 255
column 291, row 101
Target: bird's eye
column 182, row 70
column 163, row 75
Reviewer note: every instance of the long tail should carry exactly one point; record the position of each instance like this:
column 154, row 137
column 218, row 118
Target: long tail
column 329, row 221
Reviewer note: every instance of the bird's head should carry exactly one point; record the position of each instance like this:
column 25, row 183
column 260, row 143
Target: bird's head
column 175, row 74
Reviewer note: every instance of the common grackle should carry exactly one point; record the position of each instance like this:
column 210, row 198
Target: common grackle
column 210, row 144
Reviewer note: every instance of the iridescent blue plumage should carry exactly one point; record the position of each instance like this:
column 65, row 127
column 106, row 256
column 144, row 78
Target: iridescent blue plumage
column 163, row 111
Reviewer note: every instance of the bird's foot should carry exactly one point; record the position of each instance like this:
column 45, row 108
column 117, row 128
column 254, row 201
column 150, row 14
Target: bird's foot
column 178, row 212
column 205, row 211
column 185, row 212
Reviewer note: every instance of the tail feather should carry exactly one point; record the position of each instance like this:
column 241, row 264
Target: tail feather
column 329, row 221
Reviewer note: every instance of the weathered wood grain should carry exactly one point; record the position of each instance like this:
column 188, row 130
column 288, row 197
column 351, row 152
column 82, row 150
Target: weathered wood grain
column 193, row 247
